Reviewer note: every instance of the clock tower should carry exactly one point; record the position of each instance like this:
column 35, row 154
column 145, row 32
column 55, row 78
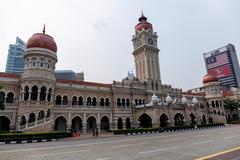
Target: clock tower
column 146, row 54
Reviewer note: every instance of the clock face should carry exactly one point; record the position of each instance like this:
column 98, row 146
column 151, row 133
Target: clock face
column 150, row 41
column 139, row 42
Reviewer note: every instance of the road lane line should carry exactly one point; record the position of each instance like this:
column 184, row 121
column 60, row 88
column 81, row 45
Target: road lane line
column 203, row 135
column 57, row 153
column 231, row 136
column 202, row 142
column 103, row 158
column 157, row 150
column 173, row 139
column 129, row 145
column 217, row 154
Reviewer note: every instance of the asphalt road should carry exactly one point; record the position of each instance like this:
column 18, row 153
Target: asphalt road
column 181, row 145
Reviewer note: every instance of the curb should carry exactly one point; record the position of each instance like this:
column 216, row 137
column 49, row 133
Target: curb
column 28, row 141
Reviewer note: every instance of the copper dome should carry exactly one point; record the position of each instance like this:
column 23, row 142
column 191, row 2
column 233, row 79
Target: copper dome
column 209, row 78
column 42, row 40
column 143, row 24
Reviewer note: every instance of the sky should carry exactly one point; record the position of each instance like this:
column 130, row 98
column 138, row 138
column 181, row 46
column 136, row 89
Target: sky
column 94, row 36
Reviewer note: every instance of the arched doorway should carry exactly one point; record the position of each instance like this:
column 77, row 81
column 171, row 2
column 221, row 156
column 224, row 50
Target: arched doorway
column 179, row 119
column 76, row 124
column 91, row 123
column 120, row 123
column 204, row 119
column 163, row 120
column 105, row 123
column 60, row 124
column 4, row 124
column 193, row 119
column 145, row 121
column 210, row 120
column 128, row 123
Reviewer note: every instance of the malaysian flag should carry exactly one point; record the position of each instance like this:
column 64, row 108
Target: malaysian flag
column 217, row 60
column 222, row 71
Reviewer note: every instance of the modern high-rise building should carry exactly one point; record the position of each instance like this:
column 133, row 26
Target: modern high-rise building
column 223, row 63
column 65, row 74
column 15, row 60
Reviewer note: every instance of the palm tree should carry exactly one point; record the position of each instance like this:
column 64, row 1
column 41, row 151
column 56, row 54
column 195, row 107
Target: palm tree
column 231, row 105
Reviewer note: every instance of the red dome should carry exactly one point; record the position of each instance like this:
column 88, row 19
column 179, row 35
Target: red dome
column 209, row 78
column 42, row 40
column 143, row 24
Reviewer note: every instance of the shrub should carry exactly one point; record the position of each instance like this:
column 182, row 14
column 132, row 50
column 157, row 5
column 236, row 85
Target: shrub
column 32, row 136
column 210, row 125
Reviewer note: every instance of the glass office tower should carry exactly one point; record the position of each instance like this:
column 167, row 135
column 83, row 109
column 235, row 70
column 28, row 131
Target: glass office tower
column 15, row 60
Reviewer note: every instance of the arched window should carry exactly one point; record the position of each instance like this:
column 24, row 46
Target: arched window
column 10, row 97
column 118, row 102
column 74, row 100
column 217, row 104
column 43, row 93
column 102, row 102
column 136, row 102
column 214, row 111
column 213, row 104
column 123, row 102
column 65, row 100
column 26, row 93
column 94, row 101
column 128, row 123
column 34, row 94
column 41, row 115
column 89, row 101
column 80, row 101
column 2, row 97
column 140, row 102
column 32, row 118
column 49, row 94
column 127, row 103
column 58, row 100
column 120, row 123
column 207, row 105
column 220, row 102
column 219, row 112
column 107, row 102
column 22, row 120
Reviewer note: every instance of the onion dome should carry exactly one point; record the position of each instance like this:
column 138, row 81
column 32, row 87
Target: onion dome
column 184, row 100
column 155, row 98
column 168, row 99
column 194, row 100
column 143, row 24
column 209, row 78
column 42, row 40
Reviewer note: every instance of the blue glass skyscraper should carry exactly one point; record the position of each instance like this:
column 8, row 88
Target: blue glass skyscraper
column 15, row 60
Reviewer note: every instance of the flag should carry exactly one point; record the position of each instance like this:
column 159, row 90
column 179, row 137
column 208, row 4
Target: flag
column 216, row 60
column 222, row 71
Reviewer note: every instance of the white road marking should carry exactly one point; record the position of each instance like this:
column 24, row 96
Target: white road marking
column 157, row 150
column 128, row 145
column 231, row 136
column 203, row 135
column 58, row 153
column 212, row 140
column 103, row 158
column 173, row 139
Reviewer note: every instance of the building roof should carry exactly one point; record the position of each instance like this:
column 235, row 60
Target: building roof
column 9, row 75
column 85, row 83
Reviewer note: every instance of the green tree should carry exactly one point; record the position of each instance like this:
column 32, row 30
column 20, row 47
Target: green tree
column 231, row 105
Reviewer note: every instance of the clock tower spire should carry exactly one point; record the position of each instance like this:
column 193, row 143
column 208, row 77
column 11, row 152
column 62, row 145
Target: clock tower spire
column 146, row 53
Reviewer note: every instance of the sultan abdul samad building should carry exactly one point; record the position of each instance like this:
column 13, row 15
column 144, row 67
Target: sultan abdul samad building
column 37, row 102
